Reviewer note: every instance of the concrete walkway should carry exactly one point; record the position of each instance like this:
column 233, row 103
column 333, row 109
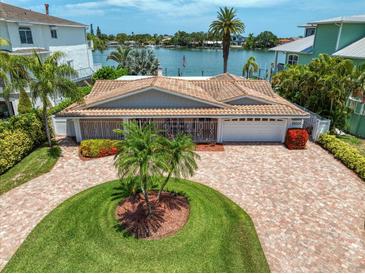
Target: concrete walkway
column 308, row 209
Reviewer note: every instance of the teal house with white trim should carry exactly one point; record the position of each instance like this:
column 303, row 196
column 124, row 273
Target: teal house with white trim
column 340, row 36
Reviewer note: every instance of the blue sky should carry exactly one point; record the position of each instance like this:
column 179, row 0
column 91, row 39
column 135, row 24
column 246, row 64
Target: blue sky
column 167, row 16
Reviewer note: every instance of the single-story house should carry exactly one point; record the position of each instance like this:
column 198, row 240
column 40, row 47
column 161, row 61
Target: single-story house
column 224, row 108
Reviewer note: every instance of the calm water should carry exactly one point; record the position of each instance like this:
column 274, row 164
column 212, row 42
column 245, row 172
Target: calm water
column 200, row 62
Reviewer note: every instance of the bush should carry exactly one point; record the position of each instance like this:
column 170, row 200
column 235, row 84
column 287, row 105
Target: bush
column 96, row 148
column 109, row 73
column 25, row 105
column 296, row 138
column 19, row 135
column 68, row 101
column 347, row 154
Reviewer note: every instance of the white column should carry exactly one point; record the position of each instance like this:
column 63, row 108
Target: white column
column 77, row 130
column 220, row 130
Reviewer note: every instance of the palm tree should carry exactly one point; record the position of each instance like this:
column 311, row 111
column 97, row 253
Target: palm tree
column 140, row 156
column 51, row 79
column 225, row 25
column 142, row 61
column 250, row 67
column 14, row 73
column 180, row 158
column 120, row 56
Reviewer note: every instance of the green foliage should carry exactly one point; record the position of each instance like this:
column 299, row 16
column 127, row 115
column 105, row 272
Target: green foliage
column 50, row 78
column 82, row 91
column 266, row 40
column 120, row 56
column 250, row 67
column 323, row 86
column 218, row 237
column 18, row 136
column 98, row 43
column 25, row 105
column 226, row 24
column 38, row 162
column 94, row 148
column 142, row 62
column 348, row 155
column 109, row 73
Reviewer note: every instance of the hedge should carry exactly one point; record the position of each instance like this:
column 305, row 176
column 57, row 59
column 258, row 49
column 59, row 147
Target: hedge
column 347, row 154
column 96, row 148
column 19, row 135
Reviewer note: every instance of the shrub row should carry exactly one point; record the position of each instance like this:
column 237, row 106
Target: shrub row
column 347, row 154
column 19, row 135
column 96, row 148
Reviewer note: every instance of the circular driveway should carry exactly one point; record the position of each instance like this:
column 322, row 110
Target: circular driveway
column 308, row 209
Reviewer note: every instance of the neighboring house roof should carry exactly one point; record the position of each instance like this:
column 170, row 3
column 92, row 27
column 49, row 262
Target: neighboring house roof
column 15, row 14
column 215, row 93
column 302, row 45
column 354, row 50
column 342, row 19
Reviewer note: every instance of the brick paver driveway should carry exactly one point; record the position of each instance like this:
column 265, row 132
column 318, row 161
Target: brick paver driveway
column 308, row 209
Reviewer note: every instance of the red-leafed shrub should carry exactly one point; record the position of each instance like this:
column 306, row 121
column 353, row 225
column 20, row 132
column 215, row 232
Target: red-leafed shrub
column 98, row 148
column 296, row 138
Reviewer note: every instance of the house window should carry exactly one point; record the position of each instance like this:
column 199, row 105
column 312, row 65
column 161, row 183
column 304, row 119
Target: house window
column 293, row 59
column 54, row 33
column 25, row 35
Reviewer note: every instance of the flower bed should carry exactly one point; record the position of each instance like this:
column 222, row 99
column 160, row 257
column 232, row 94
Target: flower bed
column 348, row 155
column 296, row 138
column 96, row 148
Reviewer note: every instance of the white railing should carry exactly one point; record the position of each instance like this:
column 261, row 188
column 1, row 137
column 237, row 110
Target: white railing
column 83, row 74
column 316, row 125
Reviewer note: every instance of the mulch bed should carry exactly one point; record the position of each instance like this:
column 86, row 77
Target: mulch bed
column 209, row 147
column 168, row 216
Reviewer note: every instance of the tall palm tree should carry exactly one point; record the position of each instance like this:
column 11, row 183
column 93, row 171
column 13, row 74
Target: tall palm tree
column 250, row 67
column 120, row 56
column 50, row 78
column 140, row 156
column 180, row 158
column 142, row 61
column 14, row 73
column 226, row 24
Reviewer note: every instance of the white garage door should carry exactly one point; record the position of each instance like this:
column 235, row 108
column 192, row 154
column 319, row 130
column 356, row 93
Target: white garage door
column 254, row 130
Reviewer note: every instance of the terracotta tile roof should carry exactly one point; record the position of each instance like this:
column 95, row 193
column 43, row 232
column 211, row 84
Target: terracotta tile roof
column 106, row 90
column 247, row 110
column 15, row 14
column 212, row 91
column 226, row 77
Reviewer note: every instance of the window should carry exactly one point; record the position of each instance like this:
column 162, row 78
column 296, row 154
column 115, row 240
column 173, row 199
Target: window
column 293, row 59
column 310, row 31
column 25, row 35
column 54, row 33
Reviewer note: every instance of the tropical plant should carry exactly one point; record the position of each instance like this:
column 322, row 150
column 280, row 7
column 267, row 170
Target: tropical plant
column 265, row 40
column 226, row 24
column 323, row 86
column 250, row 67
column 24, row 105
column 14, row 73
column 250, row 42
column 180, row 157
column 50, row 79
column 140, row 156
column 142, row 62
column 4, row 42
column 109, row 73
column 120, row 56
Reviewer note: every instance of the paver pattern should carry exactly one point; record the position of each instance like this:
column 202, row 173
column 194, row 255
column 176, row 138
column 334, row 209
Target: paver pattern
column 308, row 209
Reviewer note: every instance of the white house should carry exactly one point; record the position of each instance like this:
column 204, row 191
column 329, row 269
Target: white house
column 27, row 31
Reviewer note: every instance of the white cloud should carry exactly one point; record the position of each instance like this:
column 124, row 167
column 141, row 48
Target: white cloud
column 172, row 8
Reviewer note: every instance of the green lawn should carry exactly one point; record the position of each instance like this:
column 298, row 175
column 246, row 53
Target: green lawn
column 81, row 236
column 38, row 162
column 355, row 142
